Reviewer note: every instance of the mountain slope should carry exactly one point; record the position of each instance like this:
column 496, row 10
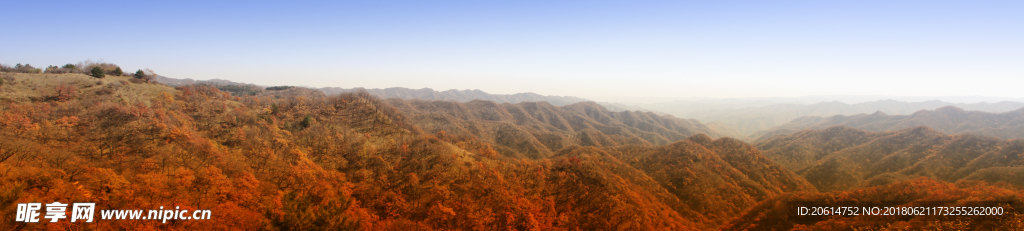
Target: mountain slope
column 300, row 159
column 780, row 213
column 949, row 119
column 537, row 129
column 843, row 158
column 715, row 178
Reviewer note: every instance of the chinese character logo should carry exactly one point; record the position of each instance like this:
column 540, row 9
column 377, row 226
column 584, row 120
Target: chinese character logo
column 29, row 212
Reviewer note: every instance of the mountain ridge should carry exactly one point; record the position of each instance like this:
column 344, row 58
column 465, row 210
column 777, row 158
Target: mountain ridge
column 539, row 128
column 842, row 158
column 947, row 119
column 754, row 117
column 407, row 93
column 458, row 95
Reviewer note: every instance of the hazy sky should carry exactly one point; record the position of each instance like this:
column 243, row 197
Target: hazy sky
column 591, row 49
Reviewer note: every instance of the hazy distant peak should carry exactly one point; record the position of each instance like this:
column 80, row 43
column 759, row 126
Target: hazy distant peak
column 949, row 109
column 459, row 95
column 753, row 118
column 946, row 119
column 186, row 81
column 407, row 93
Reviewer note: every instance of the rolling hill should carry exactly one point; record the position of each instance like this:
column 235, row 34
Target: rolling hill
column 297, row 158
column 301, row 159
column 842, row 158
column 537, row 129
column 948, row 119
column 780, row 213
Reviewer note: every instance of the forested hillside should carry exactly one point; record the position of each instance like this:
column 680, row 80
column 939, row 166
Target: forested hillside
column 842, row 158
column 298, row 159
column 779, row 213
column 537, row 129
column 949, row 119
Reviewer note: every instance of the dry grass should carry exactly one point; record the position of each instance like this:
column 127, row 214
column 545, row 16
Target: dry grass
column 23, row 87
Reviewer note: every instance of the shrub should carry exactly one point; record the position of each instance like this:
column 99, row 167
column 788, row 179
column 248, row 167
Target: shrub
column 97, row 72
column 147, row 75
column 140, row 74
column 105, row 91
column 67, row 68
column 54, row 70
column 118, row 72
column 27, row 68
column 87, row 66
column 240, row 89
column 306, row 122
column 65, row 93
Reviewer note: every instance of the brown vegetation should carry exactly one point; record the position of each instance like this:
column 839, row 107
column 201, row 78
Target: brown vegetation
column 780, row 213
column 299, row 159
column 538, row 129
column 843, row 158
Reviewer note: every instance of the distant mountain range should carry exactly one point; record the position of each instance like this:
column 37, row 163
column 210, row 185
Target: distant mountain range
column 458, row 95
column 746, row 119
column 180, row 82
column 626, row 107
column 749, row 117
column 406, row 93
column 948, row 119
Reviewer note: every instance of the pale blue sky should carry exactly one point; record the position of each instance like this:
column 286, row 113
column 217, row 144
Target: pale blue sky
column 591, row 49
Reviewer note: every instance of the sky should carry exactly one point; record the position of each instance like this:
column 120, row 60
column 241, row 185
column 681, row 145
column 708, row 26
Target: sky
column 592, row 49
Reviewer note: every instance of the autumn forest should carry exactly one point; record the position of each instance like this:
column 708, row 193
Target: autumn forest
column 294, row 158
